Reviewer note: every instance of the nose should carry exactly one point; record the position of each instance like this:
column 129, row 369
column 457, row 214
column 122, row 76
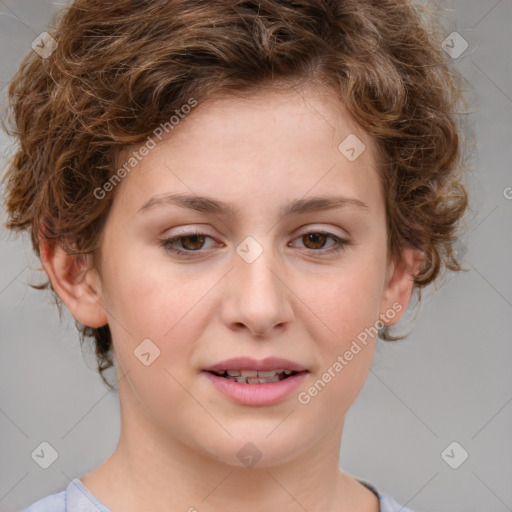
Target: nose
column 256, row 296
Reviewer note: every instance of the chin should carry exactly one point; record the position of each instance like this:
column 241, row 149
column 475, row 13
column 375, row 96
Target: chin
column 255, row 451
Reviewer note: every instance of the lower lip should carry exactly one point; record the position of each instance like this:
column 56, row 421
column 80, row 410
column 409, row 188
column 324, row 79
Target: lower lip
column 266, row 393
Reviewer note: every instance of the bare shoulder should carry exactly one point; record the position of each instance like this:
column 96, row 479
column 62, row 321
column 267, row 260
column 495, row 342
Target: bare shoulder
column 365, row 499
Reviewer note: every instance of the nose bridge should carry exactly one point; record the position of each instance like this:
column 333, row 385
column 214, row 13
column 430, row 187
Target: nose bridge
column 258, row 297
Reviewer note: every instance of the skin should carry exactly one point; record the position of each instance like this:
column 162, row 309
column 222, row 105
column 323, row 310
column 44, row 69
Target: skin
column 180, row 436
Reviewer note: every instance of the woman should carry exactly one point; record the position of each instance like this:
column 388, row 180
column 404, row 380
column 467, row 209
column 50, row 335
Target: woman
column 235, row 200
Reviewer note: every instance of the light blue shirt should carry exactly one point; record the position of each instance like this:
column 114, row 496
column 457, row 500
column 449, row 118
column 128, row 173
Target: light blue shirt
column 77, row 498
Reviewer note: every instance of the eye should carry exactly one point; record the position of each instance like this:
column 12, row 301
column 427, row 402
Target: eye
column 190, row 242
column 315, row 240
column 193, row 242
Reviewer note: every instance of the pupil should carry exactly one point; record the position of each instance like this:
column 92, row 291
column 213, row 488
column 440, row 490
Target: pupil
column 313, row 236
column 194, row 238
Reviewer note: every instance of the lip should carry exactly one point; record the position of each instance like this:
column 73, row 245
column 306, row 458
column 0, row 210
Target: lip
column 267, row 393
column 247, row 363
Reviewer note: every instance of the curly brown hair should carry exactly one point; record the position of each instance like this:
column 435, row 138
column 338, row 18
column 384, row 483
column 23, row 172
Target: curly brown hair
column 122, row 68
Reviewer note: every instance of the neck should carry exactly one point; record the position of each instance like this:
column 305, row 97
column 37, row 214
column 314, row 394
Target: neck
column 152, row 469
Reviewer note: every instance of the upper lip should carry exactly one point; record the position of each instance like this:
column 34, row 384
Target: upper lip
column 247, row 363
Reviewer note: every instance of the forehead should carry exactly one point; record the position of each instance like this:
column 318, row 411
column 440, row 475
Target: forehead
column 309, row 115
column 271, row 142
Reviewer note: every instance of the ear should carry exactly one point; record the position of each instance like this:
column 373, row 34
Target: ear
column 399, row 284
column 76, row 283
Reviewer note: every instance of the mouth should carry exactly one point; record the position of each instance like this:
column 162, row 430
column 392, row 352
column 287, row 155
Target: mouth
column 254, row 376
column 261, row 382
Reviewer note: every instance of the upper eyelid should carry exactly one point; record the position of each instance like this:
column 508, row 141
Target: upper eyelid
column 305, row 228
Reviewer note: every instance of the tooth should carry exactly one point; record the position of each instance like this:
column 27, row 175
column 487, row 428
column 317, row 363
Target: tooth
column 234, row 373
column 249, row 373
column 268, row 374
column 259, row 378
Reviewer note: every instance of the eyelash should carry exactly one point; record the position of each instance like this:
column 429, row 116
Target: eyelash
column 167, row 244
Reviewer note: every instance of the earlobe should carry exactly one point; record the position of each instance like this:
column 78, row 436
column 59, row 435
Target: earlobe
column 399, row 284
column 76, row 283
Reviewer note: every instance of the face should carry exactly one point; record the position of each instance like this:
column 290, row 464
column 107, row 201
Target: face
column 184, row 285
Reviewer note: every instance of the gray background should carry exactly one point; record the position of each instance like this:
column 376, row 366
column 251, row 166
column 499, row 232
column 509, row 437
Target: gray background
column 449, row 381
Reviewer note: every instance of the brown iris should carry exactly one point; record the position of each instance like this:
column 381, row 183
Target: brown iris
column 197, row 241
column 314, row 237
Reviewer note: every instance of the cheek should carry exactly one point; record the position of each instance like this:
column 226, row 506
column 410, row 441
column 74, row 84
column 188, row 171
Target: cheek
column 344, row 350
column 348, row 302
column 142, row 295
column 157, row 303
column 344, row 327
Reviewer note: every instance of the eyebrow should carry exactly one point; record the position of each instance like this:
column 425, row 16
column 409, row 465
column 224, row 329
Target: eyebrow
column 209, row 205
